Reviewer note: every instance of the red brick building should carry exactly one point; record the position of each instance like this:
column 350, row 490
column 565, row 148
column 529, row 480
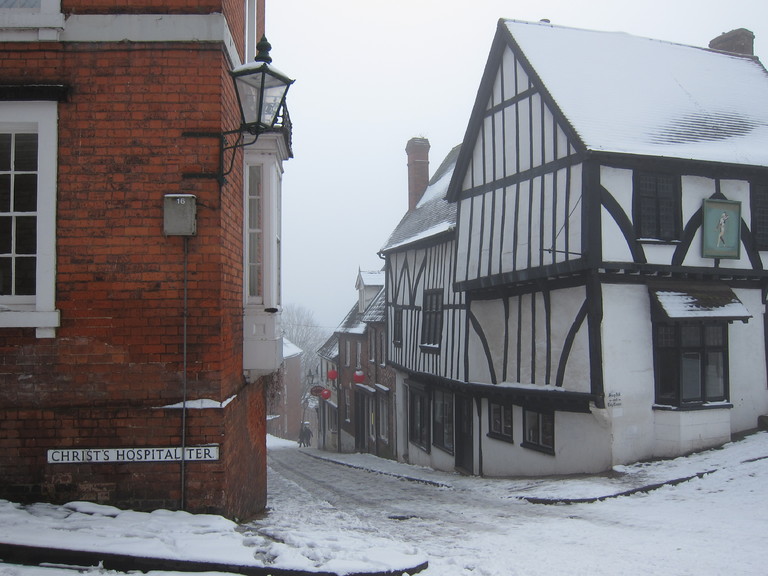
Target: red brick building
column 106, row 323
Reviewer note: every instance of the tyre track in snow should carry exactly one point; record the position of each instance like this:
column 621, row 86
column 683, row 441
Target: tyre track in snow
column 400, row 508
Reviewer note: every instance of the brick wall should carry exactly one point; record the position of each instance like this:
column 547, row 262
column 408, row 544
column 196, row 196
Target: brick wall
column 118, row 354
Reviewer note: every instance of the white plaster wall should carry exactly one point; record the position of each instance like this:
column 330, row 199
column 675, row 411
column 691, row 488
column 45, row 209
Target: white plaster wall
column 746, row 351
column 681, row 432
column 628, row 376
column 695, row 190
column 581, row 446
column 565, row 305
column 618, row 182
column 490, row 315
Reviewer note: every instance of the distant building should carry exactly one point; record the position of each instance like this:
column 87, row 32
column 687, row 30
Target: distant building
column 284, row 398
column 111, row 115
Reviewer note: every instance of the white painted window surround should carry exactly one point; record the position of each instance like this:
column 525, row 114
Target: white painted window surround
column 38, row 311
column 30, row 20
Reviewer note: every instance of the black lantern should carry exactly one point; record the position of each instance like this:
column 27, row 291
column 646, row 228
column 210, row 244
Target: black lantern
column 260, row 91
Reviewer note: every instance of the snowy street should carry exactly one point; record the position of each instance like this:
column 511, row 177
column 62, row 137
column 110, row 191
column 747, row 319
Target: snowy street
column 481, row 526
column 705, row 514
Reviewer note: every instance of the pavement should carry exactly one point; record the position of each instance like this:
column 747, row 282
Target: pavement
column 584, row 488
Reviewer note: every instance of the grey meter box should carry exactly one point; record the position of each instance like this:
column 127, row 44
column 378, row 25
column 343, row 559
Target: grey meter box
column 180, row 215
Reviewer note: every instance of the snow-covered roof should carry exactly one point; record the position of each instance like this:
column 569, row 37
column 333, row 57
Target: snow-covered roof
column 330, row 350
column 700, row 301
column 353, row 322
column 369, row 278
column 627, row 94
column 376, row 311
column 433, row 214
column 290, row 349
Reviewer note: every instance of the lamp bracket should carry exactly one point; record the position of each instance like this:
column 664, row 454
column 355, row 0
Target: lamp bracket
column 226, row 143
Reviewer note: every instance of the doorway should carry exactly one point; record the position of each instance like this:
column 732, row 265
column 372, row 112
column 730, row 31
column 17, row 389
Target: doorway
column 465, row 460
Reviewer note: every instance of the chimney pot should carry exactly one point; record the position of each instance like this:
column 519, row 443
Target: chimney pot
column 739, row 41
column 418, row 169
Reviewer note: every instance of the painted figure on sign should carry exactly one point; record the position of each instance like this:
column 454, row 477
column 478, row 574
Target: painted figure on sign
column 721, row 229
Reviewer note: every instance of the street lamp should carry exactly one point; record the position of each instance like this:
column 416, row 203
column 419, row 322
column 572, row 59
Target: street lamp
column 261, row 91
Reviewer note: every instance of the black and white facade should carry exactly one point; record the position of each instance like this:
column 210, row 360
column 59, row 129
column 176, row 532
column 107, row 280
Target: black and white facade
column 603, row 291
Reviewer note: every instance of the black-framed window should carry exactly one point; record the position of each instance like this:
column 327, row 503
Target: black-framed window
column 442, row 420
column 500, row 421
column 432, row 318
column 657, row 201
column 759, row 209
column 691, row 363
column 418, row 417
column 397, row 327
column 539, row 430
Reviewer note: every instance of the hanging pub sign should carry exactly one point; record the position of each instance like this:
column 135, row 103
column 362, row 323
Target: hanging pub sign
column 721, row 229
column 316, row 390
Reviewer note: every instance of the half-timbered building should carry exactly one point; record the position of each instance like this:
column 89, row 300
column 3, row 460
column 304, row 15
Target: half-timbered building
column 426, row 319
column 610, row 244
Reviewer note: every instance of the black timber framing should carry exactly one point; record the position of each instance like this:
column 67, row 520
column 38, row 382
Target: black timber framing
column 544, row 399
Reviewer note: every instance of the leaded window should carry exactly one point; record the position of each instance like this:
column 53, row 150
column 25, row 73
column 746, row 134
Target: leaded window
column 539, row 430
column 500, row 421
column 442, row 420
column 432, row 318
column 657, row 201
column 760, row 215
column 418, row 417
column 691, row 363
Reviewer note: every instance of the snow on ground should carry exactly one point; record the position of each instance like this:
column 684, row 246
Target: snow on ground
column 714, row 523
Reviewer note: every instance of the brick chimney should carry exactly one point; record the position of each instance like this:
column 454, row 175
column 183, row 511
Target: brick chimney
column 739, row 41
column 418, row 169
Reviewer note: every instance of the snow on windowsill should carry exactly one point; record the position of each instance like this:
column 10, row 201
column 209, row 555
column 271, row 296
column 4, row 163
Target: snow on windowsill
column 201, row 404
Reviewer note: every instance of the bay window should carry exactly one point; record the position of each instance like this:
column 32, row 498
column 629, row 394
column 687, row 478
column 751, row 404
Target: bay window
column 691, row 363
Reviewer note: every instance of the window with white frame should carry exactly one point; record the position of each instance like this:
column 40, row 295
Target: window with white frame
column 371, row 345
column 333, row 417
column 28, row 159
column 255, row 237
column 30, row 20
column 382, row 405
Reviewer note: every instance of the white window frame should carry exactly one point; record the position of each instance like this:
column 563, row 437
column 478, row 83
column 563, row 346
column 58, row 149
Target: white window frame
column 32, row 24
column 38, row 311
column 271, row 220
